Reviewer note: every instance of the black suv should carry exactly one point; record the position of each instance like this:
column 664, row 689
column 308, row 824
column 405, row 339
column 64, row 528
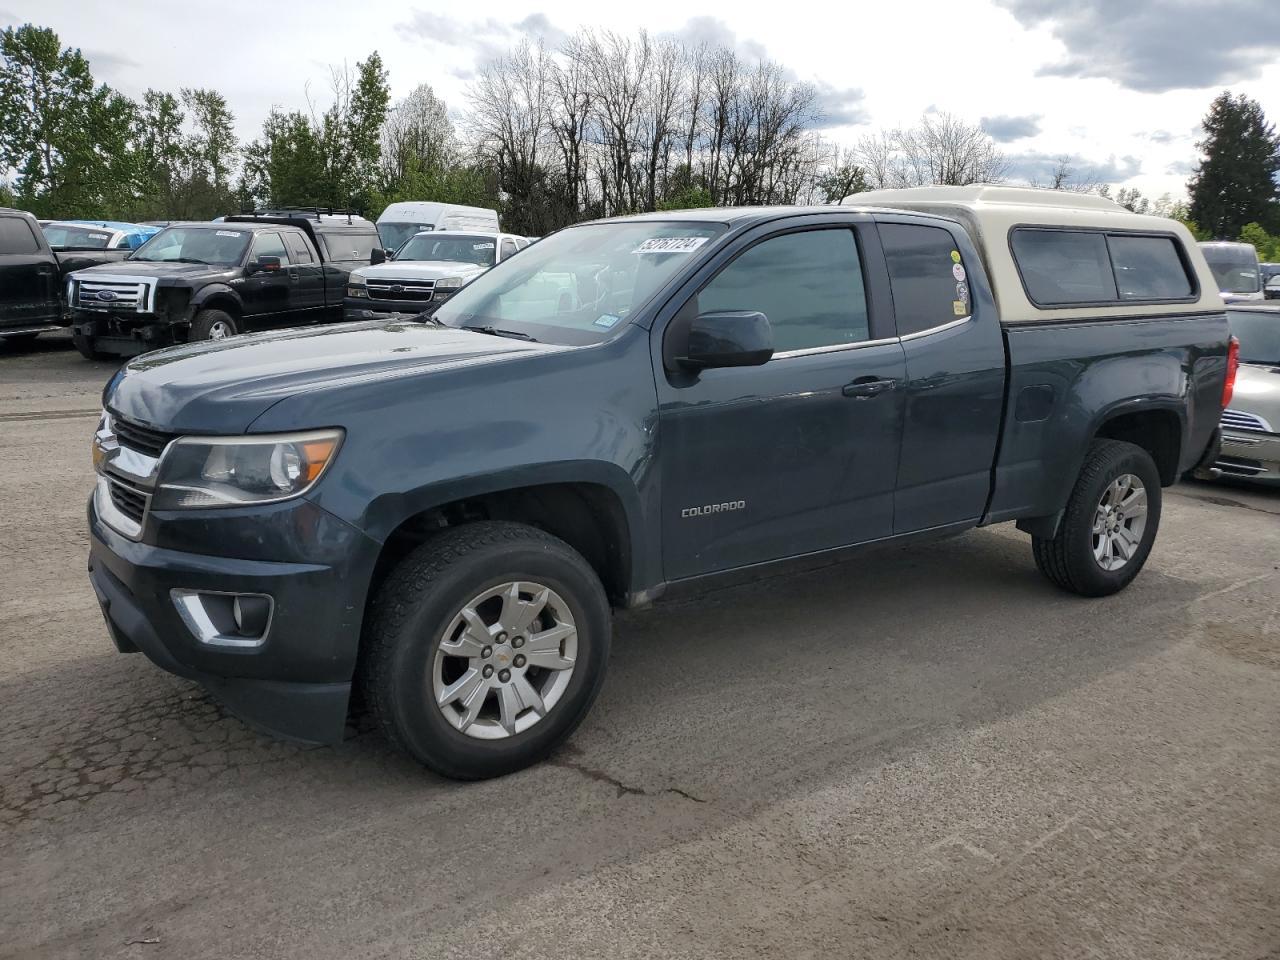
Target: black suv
column 207, row 281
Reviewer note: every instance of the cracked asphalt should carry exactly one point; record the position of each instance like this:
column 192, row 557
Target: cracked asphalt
column 928, row 752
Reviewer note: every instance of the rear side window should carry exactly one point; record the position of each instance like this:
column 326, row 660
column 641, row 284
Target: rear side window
column 16, row 237
column 298, row 248
column 1149, row 268
column 349, row 246
column 808, row 284
column 927, row 275
column 1065, row 267
column 508, row 248
column 1062, row 267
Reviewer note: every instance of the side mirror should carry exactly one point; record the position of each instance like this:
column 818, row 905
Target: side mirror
column 730, row 338
column 377, row 256
column 266, row 264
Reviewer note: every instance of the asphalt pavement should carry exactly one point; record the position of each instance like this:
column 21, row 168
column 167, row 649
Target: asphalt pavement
column 927, row 752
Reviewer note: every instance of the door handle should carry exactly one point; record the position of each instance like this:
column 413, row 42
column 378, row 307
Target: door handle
column 293, row 274
column 865, row 387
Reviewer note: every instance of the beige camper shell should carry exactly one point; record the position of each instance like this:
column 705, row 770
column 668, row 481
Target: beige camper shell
column 991, row 214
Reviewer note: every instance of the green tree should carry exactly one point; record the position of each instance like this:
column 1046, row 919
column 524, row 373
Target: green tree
column 212, row 153
column 285, row 167
column 1268, row 246
column 1235, row 182
column 68, row 139
column 847, row 179
column 161, row 155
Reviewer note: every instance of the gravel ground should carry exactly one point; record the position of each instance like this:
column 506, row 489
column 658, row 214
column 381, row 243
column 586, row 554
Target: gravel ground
column 929, row 752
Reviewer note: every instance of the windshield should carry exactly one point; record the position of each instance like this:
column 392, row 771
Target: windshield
column 427, row 246
column 1235, row 267
column 1259, row 334
column 85, row 238
column 224, row 248
column 393, row 233
column 578, row 286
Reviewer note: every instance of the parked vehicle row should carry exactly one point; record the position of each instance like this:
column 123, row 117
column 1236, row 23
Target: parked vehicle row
column 208, row 281
column 1251, row 425
column 33, row 274
column 443, row 510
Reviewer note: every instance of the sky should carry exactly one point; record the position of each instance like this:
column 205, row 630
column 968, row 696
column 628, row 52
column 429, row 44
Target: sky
column 1118, row 85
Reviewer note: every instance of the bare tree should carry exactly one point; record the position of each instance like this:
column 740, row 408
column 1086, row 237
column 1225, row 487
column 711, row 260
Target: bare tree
column 943, row 149
column 1066, row 176
column 418, row 132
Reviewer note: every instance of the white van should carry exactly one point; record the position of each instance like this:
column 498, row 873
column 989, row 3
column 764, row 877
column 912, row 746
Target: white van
column 400, row 221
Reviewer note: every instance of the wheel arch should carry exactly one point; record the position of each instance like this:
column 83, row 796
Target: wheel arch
column 591, row 515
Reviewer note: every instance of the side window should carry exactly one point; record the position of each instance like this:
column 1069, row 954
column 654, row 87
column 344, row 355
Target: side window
column 1062, row 267
column 927, row 276
column 16, row 237
column 808, row 284
column 298, row 248
column 1149, row 268
column 350, row 246
column 269, row 245
column 508, row 247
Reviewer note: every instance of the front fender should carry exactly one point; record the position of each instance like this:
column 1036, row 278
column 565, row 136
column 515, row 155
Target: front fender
column 213, row 291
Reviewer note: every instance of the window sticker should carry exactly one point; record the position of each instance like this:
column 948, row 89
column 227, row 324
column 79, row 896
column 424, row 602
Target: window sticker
column 957, row 271
column 670, row 245
column 959, row 308
column 606, row 320
column 228, row 233
column 962, row 291
column 482, row 246
column 955, row 256
column 103, row 236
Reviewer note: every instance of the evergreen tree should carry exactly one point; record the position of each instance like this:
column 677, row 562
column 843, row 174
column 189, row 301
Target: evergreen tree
column 1235, row 181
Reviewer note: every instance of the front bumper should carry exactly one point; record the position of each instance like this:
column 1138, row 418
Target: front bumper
column 125, row 335
column 296, row 684
column 1248, row 455
column 359, row 308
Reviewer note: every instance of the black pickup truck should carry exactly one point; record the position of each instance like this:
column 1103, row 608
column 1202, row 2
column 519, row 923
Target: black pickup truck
column 443, row 510
column 207, row 281
column 32, row 275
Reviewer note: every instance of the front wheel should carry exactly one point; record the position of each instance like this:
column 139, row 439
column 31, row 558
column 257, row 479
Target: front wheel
column 213, row 325
column 86, row 348
column 1110, row 523
column 486, row 647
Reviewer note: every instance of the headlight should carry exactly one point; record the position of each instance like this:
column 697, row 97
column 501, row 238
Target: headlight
column 449, row 283
column 357, row 290
column 237, row 471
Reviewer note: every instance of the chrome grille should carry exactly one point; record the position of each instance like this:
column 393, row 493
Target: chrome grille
column 128, row 499
column 415, row 290
column 143, row 439
column 102, row 293
column 1239, row 420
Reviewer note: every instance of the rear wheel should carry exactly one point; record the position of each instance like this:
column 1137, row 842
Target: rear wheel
column 1110, row 523
column 213, row 325
column 485, row 649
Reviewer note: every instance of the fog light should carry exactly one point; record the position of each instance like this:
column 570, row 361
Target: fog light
column 251, row 613
column 225, row 619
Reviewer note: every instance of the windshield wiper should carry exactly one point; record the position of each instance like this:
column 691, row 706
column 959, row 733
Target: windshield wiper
column 495, row 332
column 170, row 260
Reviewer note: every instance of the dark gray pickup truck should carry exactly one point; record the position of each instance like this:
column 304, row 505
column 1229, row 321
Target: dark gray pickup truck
column 443, row 510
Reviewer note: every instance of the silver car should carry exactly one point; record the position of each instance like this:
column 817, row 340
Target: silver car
column 1251, row 425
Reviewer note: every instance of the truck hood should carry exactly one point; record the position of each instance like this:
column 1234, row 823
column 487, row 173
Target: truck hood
column 1257, row 391
column 419, row 270
column 221, row 387
column 161, row 271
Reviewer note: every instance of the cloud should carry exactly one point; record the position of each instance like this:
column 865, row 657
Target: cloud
column 484, row 39
column 108, row 66
column 1034, row 166
column 1181, row 168
column 1005, row 128
column 539, row 25
column 714, row 32
column 1158, row 45
column 1162, row 137
column 840, row 107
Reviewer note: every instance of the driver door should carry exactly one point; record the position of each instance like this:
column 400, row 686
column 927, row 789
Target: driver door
column 801, row 454
column 268, row 294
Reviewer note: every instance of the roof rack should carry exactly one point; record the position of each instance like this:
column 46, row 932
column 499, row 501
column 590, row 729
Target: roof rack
column 316, row 212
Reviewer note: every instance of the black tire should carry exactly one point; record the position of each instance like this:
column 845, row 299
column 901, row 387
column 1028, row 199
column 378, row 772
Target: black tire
column 412, row 611
column 85, row 346
column 205, row 321
column 1068, row 559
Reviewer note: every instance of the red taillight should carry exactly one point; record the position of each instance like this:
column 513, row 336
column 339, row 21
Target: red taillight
column 1233, row 364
